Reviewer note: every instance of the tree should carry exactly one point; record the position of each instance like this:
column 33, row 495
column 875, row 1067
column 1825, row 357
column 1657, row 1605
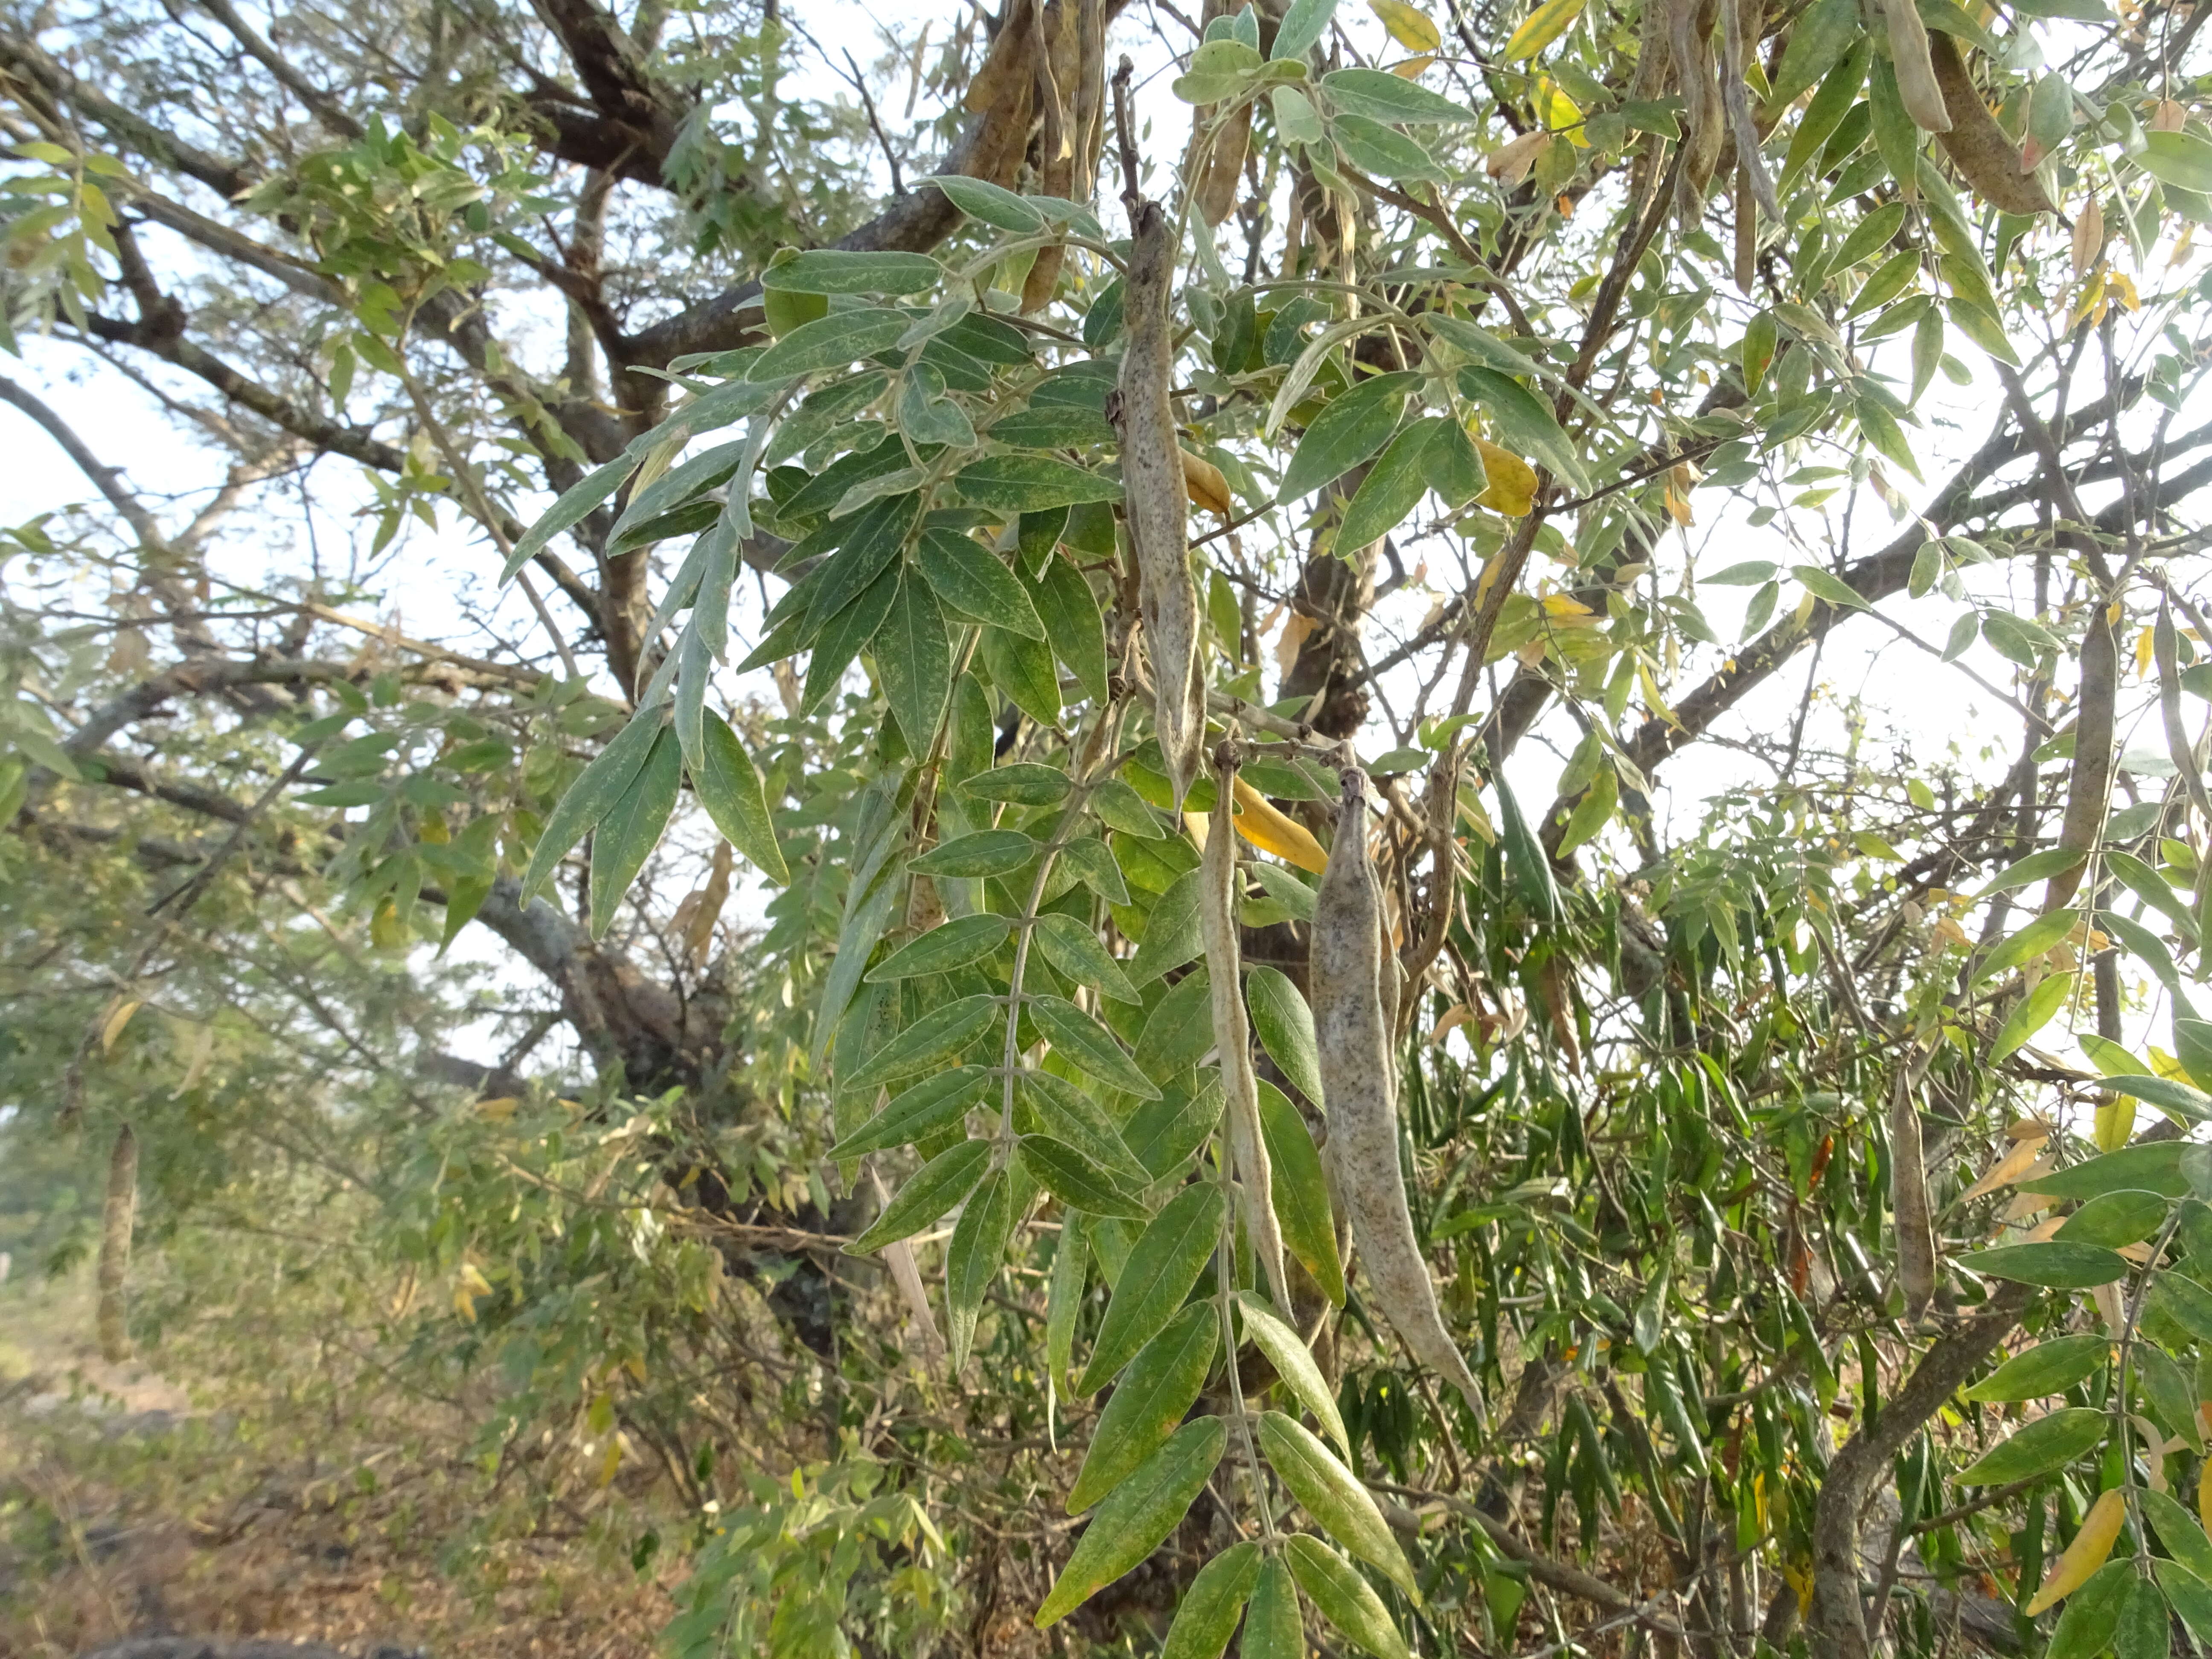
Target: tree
column 892, row 444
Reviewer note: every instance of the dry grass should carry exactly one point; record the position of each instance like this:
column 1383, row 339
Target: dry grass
column 127, row 1507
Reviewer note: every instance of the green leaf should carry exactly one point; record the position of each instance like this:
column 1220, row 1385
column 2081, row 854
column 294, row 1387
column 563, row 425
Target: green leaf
column 1822, row 34
column 2036, row 867
column 913, row 658
column 592, row 797
column 2180, row 159
column 1392, row 487
column 983, row 852
column 1210, row 1609
column 994, row 204
column 977, row 1252
column 1175, row 1246
column 1526, row 861
column 1300, row 1191
column 831, row 342
column 949, row 945
column 1140, row 1512
column 2030, row 942
column 1072, row 948
column 631, row 830
column 1091, row 861
column 1272, row 1627
column 1063, row 1308
column 1024, row 783
column 1524, row 422
column 2184, row 1301
column 2050, row 1264
column 729, row 788
column 1089, row 1046
column 1375, row 148
column 1069, row 609
column 928, row 1193
column 2115, row 1218
column 936, row 1035
column 2167, row 1095
column 2143, row 1630
column 1294, row 1364
column 1065, row 1112
column 1382, row 96
column 1179, row 1030
column 2187, row 1590
column 1148, row 1403
column 2030, row 1015
column 2048, row 1368
column 1351, row 427
column 2085, row 1628
column 1285, row 1028
column 1076, row 1180
column 1172, row 932
column 1022, row 668
column 1825, row 585
column 1345, row 1600
column 973, row 580
column 1032, row 483
column 1330, row 1492
column 1303, row 24
column 937, row 1103
column 2177, row 1529
column 1287, row 891
column 2050, row 1442
column 2155, row 1167
column 840, row 642
column 1162, row 1134
column 837, row 271
column 574, row 505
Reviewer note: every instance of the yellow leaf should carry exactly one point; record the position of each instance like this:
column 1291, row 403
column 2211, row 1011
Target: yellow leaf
column 610, row 1460
column 2009, row 1168
column 1409, row 69
column 1561, row 113
column 1271, row 831
column 2100, row 1530
column 1560, row 607
column 2144, row 647
column 1203, row 482
column 118, row 1018
column 1409, row 26
column 1542, row 25
column 2125, row 285
column 1195, row 824
column 1512, row 481
column 2116, row 1121
column 500, row 1108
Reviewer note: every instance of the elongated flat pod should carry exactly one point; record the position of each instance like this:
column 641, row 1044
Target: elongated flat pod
column 1359, row 1083
column 1154, row 499
column 1232, row 1034
column 1977, row 145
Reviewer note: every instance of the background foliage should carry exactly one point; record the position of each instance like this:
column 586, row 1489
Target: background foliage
column 1769, row 1064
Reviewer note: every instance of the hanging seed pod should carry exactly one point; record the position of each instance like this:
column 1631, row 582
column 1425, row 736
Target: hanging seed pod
column 1908, row 1203
column 1977, row 145
column 1359, row 1093
column 1152, row 483
column 120, row 1216
column 1232, row 1034
column 1909, row 55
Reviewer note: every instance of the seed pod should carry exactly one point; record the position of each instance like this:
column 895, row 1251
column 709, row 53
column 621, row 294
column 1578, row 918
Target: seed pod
column 1359, row 1093
column 116, row 1224
column 1232, row 1034
column 1977, row 145
column 1216, row 193
column 1910, row 57
column 2100, row 1530
column 1152, row 487
column 1908, row 1203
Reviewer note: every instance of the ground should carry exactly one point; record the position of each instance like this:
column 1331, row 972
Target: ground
column 129, row 1507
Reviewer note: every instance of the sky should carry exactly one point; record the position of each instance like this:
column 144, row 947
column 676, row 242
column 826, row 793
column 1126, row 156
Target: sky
column 1935, row 707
